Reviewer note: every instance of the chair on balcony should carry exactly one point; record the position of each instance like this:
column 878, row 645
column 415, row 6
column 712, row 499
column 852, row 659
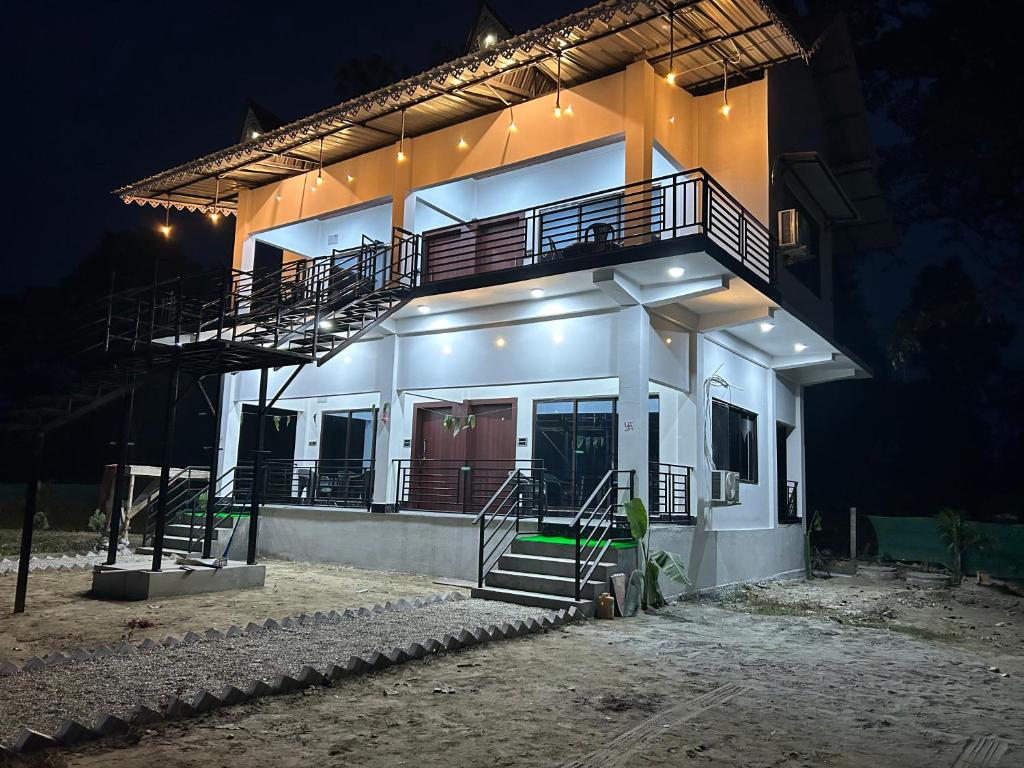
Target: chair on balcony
column 599, row 237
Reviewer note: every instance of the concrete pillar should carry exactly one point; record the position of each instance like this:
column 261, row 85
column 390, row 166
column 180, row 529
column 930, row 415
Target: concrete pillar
column 387, row 366
column 701, row 471
column 639, row 145
column 634, row 362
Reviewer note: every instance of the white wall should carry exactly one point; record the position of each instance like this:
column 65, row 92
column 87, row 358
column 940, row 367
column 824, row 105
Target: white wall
column 310, row 238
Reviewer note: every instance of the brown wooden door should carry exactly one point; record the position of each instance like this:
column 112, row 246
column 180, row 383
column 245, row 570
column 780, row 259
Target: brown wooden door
column 435, row 469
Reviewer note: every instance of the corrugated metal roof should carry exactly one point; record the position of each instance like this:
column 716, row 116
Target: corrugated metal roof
column 591, row 43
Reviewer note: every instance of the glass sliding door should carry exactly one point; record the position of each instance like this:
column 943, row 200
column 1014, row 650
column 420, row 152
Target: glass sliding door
column 576, row 441
column 346, row 454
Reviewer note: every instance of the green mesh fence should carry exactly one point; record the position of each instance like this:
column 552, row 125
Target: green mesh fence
column 999, row 551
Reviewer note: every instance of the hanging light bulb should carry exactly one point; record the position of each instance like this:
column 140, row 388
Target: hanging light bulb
column 725, row 108
column 671, row 76
column 558, row 86
column 401, row 141
column 568, row 110
column 215, row 214
column 320, row 168
column 462, row 143
column 165, row 230
column 511, row 120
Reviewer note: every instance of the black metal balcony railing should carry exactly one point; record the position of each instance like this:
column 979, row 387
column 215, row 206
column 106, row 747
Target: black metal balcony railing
column 453, row 485
column 599, row 223
column 313, row 482
column 670, row 493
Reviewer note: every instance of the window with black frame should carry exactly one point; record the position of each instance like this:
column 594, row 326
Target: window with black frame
column 734, row 440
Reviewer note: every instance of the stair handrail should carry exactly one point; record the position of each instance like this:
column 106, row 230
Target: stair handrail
column 492, row 526
column 604, row 499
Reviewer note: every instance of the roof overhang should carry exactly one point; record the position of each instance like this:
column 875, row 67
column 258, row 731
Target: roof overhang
column 591, row 43
column 810, row 172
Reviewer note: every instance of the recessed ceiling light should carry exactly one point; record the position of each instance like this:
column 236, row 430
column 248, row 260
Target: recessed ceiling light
column 446, row 350
column 676, row 271
column 536, row 292
column 423, row 309
column 326, row 325
column 347, row 359
column 668, row 339
column 499, row 342
column 558, row 338
column 766, row 326
column 798, row 347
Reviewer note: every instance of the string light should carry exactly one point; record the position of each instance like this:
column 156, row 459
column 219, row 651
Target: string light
column 511, row 120
column 671, row 76
column 725, row 109
column 350, row 178
column 462, row 143
column 401, row 141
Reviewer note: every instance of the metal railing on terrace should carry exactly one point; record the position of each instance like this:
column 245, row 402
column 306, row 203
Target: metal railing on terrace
column 599, row 224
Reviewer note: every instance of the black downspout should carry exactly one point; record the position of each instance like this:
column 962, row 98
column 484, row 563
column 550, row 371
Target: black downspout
column 211, row 488
column 257, row 468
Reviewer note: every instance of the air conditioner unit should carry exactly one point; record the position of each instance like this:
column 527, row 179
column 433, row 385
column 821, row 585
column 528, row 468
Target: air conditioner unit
column 725, row 487
column 793, row 234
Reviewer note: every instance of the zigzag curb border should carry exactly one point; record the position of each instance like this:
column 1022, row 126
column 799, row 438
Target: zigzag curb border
column 124, row 648
column 59, row 563
column 72, row 733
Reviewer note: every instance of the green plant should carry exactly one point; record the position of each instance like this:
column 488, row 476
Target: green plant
column 41, row 522
column 958, row 537
column 814, row 525
column 643, row 588
column 97, row 522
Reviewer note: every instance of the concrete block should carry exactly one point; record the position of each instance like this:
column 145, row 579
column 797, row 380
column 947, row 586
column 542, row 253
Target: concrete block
column 252, row 629
column 311, row 676
column 80, row 654
column 288, row 623
column 110, row 725
column 336, row 672
column 398, row 656
column 33, row 663
column 56, row 660
column 285, row 684
column 213, row 634
column 204, row 701
column 28, row 740
column 532, row 625
column 546, row 622
column 7, row 669
column 72, row 733
column 378, row 608
column 452, row 643
column 418, row 602
column 134, row 582
column 335, row 616
column 270, row 624
column 466, row 638
column 178, row 709
column 191, row 637
column 101, row 652
column 480, row 635
column 433, row 646
column 230, row 695
column 304, row 619
column 149, row 645
column 365, row 612
column 378, row 661
column 416, row 651
column 357, row 665
column 234, row 631
column 319, row 618
column 494, row 633
column 257, row 688
column 388, row 606
column 170, row 641
column 125, row 649
column 143, row 715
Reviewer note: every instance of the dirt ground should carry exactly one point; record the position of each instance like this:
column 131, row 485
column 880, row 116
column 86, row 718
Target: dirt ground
column 862, row 676
column 60, row 616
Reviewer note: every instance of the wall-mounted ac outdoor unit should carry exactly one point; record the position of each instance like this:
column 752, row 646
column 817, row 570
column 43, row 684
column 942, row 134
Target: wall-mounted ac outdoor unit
column 725, row 487
column 793, row 235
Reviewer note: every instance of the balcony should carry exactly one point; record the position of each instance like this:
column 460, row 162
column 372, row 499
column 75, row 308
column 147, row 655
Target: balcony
column 634, row 222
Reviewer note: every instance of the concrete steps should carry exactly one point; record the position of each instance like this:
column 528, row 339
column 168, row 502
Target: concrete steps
column 541, row 573
column 176, row 540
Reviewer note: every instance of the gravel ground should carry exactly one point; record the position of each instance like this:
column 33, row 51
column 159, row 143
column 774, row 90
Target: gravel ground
column 42, row 699
column 56, row 561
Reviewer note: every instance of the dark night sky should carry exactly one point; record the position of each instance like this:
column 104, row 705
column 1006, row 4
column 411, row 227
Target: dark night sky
column 103, row 94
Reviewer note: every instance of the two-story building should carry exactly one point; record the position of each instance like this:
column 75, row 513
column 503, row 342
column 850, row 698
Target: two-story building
column 610, row 241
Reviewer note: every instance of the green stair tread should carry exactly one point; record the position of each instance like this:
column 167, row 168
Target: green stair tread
column 572, row 542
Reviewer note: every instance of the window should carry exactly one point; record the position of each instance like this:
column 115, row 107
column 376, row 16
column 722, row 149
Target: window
column 346, row 438
column 597, row 219
column 734, row 440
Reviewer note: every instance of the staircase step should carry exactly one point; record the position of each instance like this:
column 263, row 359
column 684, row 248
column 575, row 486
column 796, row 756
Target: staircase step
column 533, row 599
column 543, row 584
column 198, row 531
column 528, row 546
column 552, row 566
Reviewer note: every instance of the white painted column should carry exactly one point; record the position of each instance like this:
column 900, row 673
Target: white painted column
column 701, row 471
column 387, row 366
column 634, row 363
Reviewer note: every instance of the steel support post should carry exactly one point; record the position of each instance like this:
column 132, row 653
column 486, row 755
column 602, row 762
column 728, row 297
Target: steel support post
column 28, row 524
column 211, row 489
column 165, row 466
column 257, row 468
column 117, row 500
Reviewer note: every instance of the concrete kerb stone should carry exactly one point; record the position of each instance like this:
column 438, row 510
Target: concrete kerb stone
column 72, row 732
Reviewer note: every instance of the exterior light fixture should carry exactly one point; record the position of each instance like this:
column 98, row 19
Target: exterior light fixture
column 401, row 140
column 668, row 339
column 676, row 272
column 490, row 39
column 766, row 326
column 462, row 143
column 670, row 78
column 350, row 177
column 255, row 134
column 557, row 337
column 446, row 350
column 798, row 347
column 536, row 292
column 499, row 342
column 672, row 120
column 277, row 196
column 347, row 359
column 215, row 214
column 326, row 325
column 320, row 164
column 558, row 86
column 423, row 309
column 165, row 230
column 725, row 108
